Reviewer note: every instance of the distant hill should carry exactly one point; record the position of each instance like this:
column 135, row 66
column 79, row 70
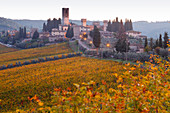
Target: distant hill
column 31, row 23
column 150, row 29
column 8, row 24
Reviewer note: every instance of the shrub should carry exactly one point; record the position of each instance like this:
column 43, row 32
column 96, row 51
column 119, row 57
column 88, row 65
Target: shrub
column 63, row 56
column 157, row 50
column 34, row 61
column 47, row 59
column 132, row 56
column 56, row 58
column 26, row 62
column 163, row 52
column 87, row 52
column 9, row 65
column 69, row 55
column 41, row 60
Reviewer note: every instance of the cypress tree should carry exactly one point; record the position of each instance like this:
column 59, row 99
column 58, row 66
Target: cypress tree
column 122, row 45
column 151, row 43
column 35, row 35
column 117, row 25
column 25, row 33
column 96, row 38
column 157, row 43
column 160, row 41
column 146, row 42
column 130, row 25
column 109, row 26
column 44, row 27
column 68, row 32
column 113, row 26
column 121, row 32
column 166, row 40
column 126, row 25
column 72, row 32
column 91, row 33
column 121, row 28
column 20, row 35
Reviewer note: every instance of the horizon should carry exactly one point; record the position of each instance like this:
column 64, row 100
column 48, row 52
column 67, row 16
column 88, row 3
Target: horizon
column 99, row 10
column 87, row 20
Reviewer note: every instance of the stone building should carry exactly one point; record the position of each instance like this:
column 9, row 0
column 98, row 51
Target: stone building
column 56, row 35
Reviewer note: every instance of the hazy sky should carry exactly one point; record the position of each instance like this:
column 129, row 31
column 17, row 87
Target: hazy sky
column 137, row 10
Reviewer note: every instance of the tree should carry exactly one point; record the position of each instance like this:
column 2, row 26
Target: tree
column 91, row 34
column 44, row 27
column 96, row 38
column 128, row 25
column 131, row 25
column 147, row 49
column 51, row 24
column 117, row 25
column 13, row 41
column 151, row 43
column 166, row 40
column 146, row 42
column 156, row 43
column 21, row 33
column 7, row 34
column 122, row 45
column 25, row 33
column 121, row 33
column 35, row 35
column 70, row 32
column 109, row 26
column 160, row 41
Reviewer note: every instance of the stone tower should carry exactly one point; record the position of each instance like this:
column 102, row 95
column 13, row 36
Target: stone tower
column 65, row 16
column 105, row 24
column 84, row 21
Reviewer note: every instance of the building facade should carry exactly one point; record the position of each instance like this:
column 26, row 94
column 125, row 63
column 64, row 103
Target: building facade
column 56, row 35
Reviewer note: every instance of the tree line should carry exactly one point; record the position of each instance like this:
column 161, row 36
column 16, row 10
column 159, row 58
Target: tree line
column 51, row 24
column 158, row 43
column 115, row 25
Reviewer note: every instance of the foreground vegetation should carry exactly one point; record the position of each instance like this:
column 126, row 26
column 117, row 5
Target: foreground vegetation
column 62, row 86
column 19, row 83
column 28, row 54
column 4, row 49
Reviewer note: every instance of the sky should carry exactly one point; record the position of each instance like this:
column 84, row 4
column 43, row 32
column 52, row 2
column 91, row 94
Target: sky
column 137, row 10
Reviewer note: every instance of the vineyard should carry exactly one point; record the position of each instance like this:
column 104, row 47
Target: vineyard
column 4, row 49
column 22, row 55
column 116, row 87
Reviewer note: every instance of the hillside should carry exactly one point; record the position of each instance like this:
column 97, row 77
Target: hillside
column 8, row 24
column 27, row 54
column 115, row 87
column 31, row 23
column 150, row 29
column 19, row 83
column 4, row 49
column 153, row 29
